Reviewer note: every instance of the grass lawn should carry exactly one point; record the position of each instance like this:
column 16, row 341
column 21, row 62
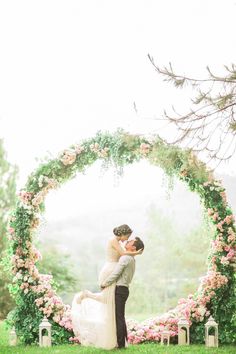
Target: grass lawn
column 140, row 348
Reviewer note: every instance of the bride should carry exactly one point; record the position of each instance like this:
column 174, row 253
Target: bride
column 93, row 314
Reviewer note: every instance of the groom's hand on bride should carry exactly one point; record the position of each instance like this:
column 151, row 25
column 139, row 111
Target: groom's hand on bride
column 139, row 251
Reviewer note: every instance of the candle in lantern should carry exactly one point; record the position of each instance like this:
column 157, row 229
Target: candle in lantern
column 182, row 337
column 45, row 341
column 211, row 341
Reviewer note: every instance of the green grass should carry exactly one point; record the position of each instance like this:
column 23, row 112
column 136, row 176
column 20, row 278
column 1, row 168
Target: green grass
column 140, row 349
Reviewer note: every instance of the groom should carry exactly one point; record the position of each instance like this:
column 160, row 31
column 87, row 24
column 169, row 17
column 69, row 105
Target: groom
column 122, row 275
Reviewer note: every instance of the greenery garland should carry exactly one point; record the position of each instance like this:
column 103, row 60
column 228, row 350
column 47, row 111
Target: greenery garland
column 34, row 293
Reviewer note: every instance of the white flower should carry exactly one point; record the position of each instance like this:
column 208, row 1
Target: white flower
column 40, row 181
column 202, row 310
column 68, row 157
column 38, row 199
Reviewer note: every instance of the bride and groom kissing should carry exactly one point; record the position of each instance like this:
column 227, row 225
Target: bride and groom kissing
column 99, row 318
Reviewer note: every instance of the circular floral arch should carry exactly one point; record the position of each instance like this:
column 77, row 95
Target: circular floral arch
column 34, row 293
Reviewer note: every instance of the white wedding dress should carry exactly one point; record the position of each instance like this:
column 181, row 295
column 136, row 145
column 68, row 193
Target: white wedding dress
column 93, row 319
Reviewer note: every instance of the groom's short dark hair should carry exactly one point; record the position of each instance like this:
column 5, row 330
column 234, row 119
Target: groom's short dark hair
column 138, row 243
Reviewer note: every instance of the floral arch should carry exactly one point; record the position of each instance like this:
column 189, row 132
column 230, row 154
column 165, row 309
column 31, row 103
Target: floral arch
column 34, row 293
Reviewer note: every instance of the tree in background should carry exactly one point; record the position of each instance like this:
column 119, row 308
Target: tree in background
column 210, row 124
column 66, row 277
column 170, row 266
column 8, row 176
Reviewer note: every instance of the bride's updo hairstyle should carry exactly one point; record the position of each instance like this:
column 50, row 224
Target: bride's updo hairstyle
column 122, row 230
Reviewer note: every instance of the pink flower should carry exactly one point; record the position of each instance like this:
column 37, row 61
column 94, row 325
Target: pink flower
column 144, row 148
column 95, row 147
column 215, row 216
column 25, row 197
column 210, row 211
column 187, row 313
column 219, row 226
column 182, row 301
column 231, row 238
column 79, row 149
column 223, row 196
column 230, row 254
column 228, row 219
column 224, row 260
column 103, row 152
column 62, row 323
column 38, row 199
column 56, row 318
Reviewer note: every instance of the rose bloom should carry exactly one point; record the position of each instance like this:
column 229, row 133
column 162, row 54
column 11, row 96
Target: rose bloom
column 231, row 238
column 230, row 254
column 223, row 196
column 215, row 216
column 25, row 196
column 229, row 219
column 224, row 260
column 79, row 149
column 144, row 148
column 68, row 157
column 210, row 211
column 11, row 230
column 103, row 152
column 38, row 199
column 95, row 148
column 219, row 226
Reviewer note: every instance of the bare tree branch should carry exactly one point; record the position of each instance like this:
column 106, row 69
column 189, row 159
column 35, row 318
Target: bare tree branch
column 210, row 124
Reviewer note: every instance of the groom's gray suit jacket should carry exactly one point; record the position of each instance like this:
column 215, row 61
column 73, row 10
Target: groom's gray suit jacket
column 123, row 272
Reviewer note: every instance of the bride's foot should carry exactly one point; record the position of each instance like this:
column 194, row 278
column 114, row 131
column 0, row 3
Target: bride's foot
column 87, row 293
column 82, row 295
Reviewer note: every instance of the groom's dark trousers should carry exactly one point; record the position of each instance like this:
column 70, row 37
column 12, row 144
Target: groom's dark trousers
column 121, row 295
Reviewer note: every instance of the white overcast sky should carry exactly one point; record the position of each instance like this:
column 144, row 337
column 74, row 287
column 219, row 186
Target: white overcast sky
column 70, row 68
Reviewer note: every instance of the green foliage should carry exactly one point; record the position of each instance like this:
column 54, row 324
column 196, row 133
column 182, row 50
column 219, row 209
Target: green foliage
column 172, row 263
column 25, row 318
column 8, row 175
column 58, row 263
